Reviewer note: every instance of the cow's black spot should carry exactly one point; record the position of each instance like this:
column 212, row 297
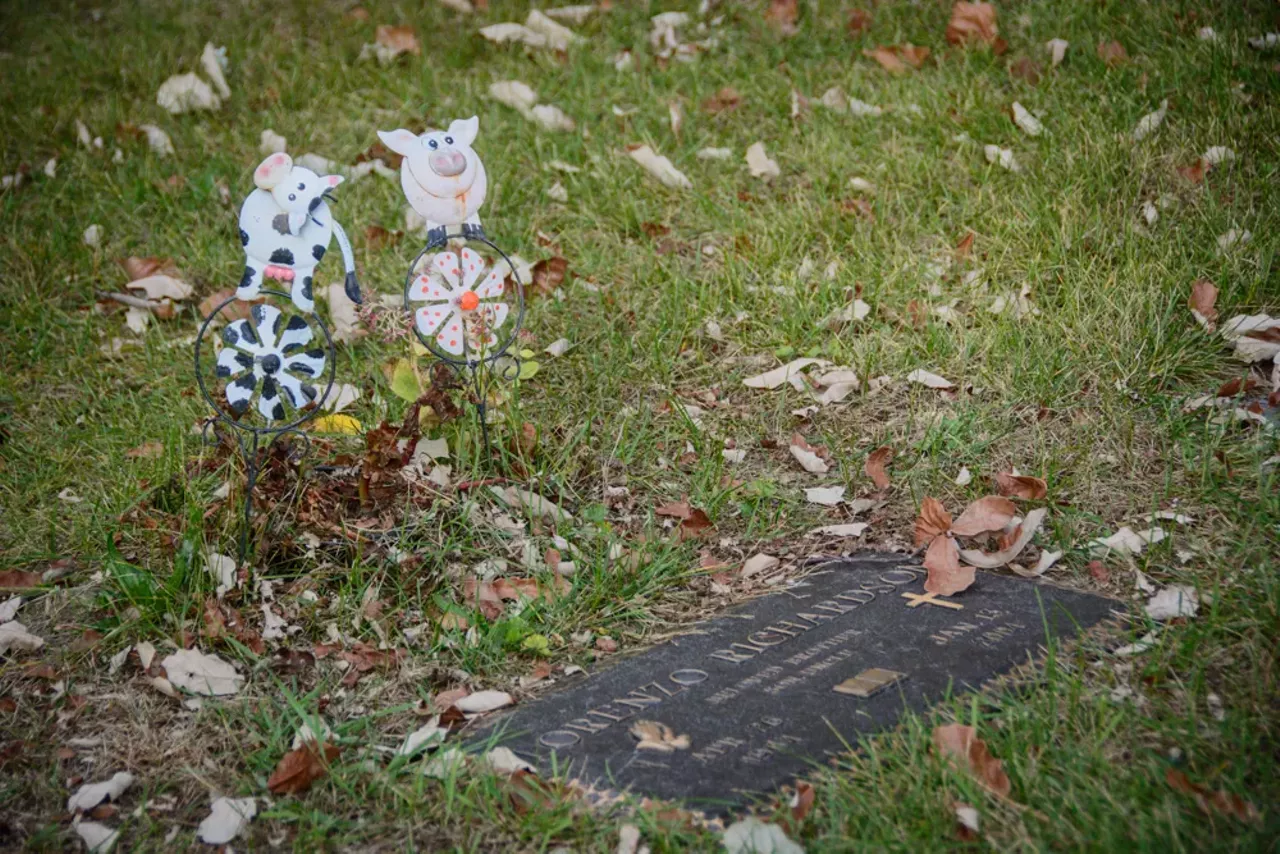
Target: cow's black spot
column 247, row 278
column 281, row 256
column 247, row 384
column 259, row 314
column 244, row 237
column 317, row 251
column 230, row 336
column 244, row 360
column 280, row 223
column 310, row 392
column 306, row 287
column 313, row 204
column 271, row 392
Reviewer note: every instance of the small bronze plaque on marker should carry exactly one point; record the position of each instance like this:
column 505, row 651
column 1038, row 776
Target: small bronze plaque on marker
column 868, row 682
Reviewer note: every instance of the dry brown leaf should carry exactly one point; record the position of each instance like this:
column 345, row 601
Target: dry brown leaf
column 235, row 310
column 1195, row 172
column 140, row 268
column 726, row 99
column 875, row 466
column 859, row 22
column 959, row 745
column 676, row 510
column 1204, row 294
column 887, row 58
column 1021, row 486
column 1027, row 69
column 1210, row 802
column 1011, row 545
column 947, row 576
column 965, row 246
column 16, row 579
column 913, row 55
column 398, row 39
column 377, row 237
column 146, row 449
column 991, row 513
column 298, row 769
column 658, row 737
column 933, row 520
column 1112, row 53
column 972, row 22
column 782, row 16
column 548, row 274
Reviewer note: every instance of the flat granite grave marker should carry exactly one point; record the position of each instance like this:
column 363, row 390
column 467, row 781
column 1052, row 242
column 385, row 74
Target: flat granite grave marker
column 789, row 679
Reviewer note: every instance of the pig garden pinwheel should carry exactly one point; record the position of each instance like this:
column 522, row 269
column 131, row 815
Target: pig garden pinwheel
column 461, row 289
column 265, row 369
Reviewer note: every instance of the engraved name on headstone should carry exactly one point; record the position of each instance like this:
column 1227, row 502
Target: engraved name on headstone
column 789, row 679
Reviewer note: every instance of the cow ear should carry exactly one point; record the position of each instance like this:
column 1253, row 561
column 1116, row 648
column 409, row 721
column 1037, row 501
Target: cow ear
column 465, row 130
column 400, row 141
column 332, row 181
column 273, row 170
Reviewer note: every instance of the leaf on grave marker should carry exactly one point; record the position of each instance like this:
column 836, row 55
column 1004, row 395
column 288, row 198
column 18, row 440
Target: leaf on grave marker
column 947, row 576
column 972, row 23
column 1112, row 53
column 1021, row 486
column 932, row 521
column 992, row 560
column 875, row 466
column 991, row 513
column 658, row 737
column 1204, row 295
column 344, row 424
column 959, row 746
column 301, row 767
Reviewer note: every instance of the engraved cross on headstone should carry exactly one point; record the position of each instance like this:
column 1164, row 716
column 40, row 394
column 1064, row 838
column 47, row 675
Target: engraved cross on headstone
column 915, row 600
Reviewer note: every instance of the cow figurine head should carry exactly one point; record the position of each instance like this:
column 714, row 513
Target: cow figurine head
column 297, row 190
column 442, row 177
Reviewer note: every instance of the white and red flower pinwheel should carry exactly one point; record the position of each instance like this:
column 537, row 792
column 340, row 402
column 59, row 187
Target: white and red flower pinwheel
column 458, row 311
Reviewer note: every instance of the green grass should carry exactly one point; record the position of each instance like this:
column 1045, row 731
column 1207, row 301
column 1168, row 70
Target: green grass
column 1086, row 394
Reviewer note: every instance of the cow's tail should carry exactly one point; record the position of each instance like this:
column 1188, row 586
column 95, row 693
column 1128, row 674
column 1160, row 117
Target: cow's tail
column 349, row 261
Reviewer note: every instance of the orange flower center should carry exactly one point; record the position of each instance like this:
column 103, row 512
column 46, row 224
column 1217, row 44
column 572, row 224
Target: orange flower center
column 469, row 300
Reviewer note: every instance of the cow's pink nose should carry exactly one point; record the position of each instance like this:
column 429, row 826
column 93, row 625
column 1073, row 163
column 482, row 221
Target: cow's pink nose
column 448, row 163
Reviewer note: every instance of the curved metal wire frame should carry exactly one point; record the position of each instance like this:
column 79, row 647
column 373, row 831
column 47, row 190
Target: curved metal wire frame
column 250, row 447
column 470, row 364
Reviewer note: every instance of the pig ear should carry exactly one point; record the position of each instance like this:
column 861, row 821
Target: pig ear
column 400, row 141
column 272, row 170
column 332, row 181
column 465, row 130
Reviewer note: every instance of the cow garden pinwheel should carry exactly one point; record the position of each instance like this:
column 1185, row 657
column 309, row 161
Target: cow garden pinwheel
column 267, row 370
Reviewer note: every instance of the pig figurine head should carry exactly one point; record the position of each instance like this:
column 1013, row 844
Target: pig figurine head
column 442, row 177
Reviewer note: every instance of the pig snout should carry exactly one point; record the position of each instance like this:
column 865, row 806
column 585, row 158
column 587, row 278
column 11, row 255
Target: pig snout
column 447, row 163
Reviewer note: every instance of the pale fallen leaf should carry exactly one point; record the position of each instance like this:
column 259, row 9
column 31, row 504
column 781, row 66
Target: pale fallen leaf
column 714, row 153
column 429, row 734
column 1002, row 157
column 9, row 608
column 97, row 837
column 1206, row 34
column 827, row 496
column 1028, row 123
column 511, row 32
column 849, row 529
column 502, row 760
column 160, row 286
column 809, row 461
column 1126, row 541
column 445, row 763
column 223, row 570
column 660, row 167
column 1266, row 41
column 201, row 673
column 1216, row 155
column 783, row 374
column 515, row 94
column 1173, row 601
column 753, row 836
column 92, row 235
column 1057, row 50
column 1256, row 337
column 90, row 795
column 342, row 311
column 676, row 113
column 551, row 117
column 14, row 637
column 342, row 396
column 483, row 701
column 536, row 505
column 1043, row 564
column 213, row 61
column 628, row 839
column 734, row 455
column 576, row 14
column 271, row 142
column 1148, row 124
column 226, row 819
column 558, row 347
column 927, row 378
column 965, row 477
column 759, row 163
column 558, row 36
column 759, row 563
column 184, row 93
column 157, row 139
column 137, row 319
